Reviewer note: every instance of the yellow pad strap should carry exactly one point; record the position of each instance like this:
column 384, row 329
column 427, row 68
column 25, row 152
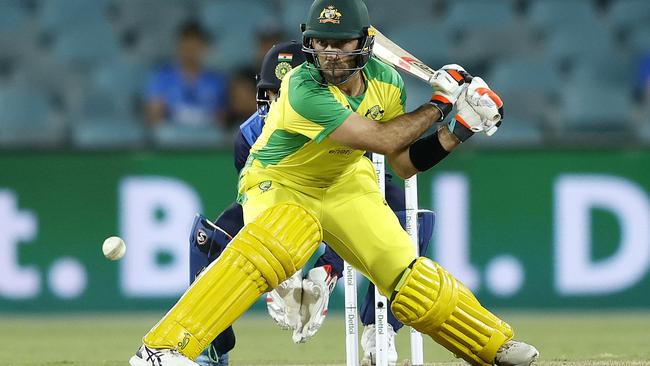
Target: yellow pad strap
column 264, row 253
column 432, row 301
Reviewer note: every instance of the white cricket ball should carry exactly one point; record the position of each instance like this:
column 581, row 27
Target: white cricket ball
column 114, row 248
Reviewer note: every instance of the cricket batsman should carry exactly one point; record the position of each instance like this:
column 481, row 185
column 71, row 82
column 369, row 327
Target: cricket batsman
column 306, row 180
column 299, row 304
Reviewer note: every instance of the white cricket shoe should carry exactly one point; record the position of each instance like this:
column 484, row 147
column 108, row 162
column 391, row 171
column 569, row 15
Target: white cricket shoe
column 146, row 356
column 369, row 346
column 283, row 303
column 515, row 353
column 316, row 290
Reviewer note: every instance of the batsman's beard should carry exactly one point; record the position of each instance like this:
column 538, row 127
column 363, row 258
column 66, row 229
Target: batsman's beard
column 337, row 72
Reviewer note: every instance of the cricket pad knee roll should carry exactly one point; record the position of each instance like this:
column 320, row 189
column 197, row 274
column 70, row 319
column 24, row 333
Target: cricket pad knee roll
column 265, row 252
column 431, row 300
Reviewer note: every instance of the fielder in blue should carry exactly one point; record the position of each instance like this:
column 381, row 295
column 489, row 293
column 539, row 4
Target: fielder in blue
column 208, row 239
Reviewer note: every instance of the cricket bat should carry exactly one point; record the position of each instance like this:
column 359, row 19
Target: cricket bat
column 392, row 54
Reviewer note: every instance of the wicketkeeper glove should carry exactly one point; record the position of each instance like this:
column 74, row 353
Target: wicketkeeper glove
column 283, row 303
column 316, row 291
column 479, row 110
column 447, row 86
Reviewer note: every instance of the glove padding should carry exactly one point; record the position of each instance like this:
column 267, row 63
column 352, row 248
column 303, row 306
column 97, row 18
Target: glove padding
column 283, row 303
column 479, row 110
column 316, row 290
column 447, row 86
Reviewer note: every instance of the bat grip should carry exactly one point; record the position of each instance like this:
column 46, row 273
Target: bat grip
column 466, row 76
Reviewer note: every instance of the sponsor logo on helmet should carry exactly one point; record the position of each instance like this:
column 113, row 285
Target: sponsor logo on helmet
column 375, row 113
column 201, row 237
column 330, row 15
column 265, row 186
column 282, row 69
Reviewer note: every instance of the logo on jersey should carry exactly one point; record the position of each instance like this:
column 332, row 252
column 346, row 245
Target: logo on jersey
column 375, row 113
column 265, row 186
column 201, row 237
column 330, row 15
column 340, row 151
column 282, row 69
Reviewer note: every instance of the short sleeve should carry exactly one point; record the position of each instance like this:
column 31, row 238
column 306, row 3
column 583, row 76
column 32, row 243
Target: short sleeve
column 319, row 110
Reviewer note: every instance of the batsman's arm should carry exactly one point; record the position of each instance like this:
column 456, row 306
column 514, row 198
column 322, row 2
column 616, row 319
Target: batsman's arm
column 387, row 138
column 423, row 153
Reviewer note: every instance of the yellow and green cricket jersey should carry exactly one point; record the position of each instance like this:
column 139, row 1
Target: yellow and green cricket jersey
column 294, row 144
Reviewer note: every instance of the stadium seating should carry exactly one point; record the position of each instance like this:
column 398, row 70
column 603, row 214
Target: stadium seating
column 149, row 14
column 87, row 46
column 528, row 87
column 467, row 15
column 572, row 42
column 542, row 55
column 233, row 49
column 233, row 16
column 436, row 50
column 17, row 35
column 619, row 72
column 120, row 78
column 293, row 13
column 108, row 133
column 390, row 13
column 26, row 119
column 593, row 108
column 639, row 40
column 547, row 15
column 100, row 103
column 626, row 14
column 59, row 15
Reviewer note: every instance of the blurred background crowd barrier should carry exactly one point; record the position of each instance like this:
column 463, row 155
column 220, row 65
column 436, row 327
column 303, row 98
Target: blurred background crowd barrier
column 99, row 136
column 553, row 230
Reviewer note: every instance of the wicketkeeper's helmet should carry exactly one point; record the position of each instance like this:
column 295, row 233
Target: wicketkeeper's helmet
column 278, row 61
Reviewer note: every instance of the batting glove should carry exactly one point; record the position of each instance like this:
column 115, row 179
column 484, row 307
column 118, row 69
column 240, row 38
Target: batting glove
column 447, row 86
column 479, row 110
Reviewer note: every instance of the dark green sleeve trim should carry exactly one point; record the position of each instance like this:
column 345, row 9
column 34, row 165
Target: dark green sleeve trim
column 315, row 103
column 333, row 126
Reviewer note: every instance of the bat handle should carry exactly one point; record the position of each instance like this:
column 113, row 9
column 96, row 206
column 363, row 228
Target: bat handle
column 466, row 75
column 493, row 129
column 468, row 79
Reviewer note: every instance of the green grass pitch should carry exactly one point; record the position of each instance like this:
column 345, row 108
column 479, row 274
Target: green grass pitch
column 564, row 338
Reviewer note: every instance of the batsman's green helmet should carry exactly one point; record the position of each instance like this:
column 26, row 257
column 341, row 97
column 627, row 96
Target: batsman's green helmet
column 340, row 20
column 337, row 19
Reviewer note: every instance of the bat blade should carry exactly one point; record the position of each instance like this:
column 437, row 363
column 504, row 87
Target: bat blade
column 392, row 54
column 389, row 52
